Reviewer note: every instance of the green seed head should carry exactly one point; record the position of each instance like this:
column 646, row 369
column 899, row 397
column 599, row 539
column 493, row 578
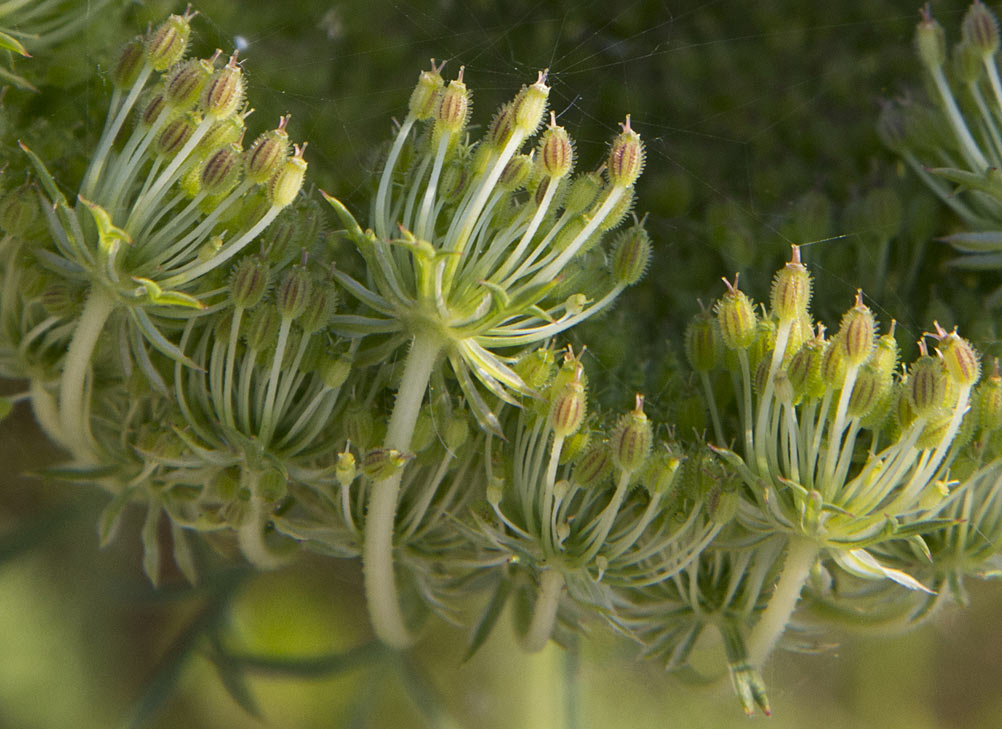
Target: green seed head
column 594, row 467
column 424, row 97
column 335, row 371
column 293, row 293
column 285, row 184
column 626, row 157
column 961, row 361
column 183, row 85
column 630, row 442
column 268, row 153
column 174, row 136
column 221, row 170
column 930, row 41
column 381, row 463
column 856, row 333
column 569, row 406
column 556, row 151
column 989, row 399
column 516, row 173
column 980, row 29
column 166, row 44
column 530, row 106
column 631, row 255
column 249, row 282
column 736, row 318
column 702, row 342
column 19, row 210
column 223, row 93
column 791, row 289
column 927, row 383
column 453, row 109
column 130, row 63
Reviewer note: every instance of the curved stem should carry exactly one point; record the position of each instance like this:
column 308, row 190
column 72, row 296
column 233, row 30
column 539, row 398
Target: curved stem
column 72, row 408
column 544, row 614
column 377, row 551
column 801, row 555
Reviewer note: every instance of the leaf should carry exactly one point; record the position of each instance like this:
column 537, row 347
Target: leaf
column 861, row 563
column 111, row 517
column 978, row 262
column 10, row 43
column 158, row 340
column 488, row 619
column 347, row 219
column 184, row 556
column 151, row 542
column 110, row 236
column 74, row 473
column 975, row 242
column 233, row 678
column 43, row 175
column 19, row 81
column 157, row 295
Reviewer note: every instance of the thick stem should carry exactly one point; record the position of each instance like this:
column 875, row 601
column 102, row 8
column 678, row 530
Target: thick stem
column 544, row 614
column 72, row 408
column 377, row 552
column 801, row 555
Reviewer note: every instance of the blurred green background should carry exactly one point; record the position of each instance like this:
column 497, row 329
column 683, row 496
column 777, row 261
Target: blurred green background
column 759, row 121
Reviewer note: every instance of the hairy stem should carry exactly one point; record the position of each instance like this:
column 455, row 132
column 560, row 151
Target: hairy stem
column 377, row 552
column 801, row 555
column 544, row 614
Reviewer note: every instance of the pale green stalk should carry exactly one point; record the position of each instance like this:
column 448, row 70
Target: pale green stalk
column 544, row 614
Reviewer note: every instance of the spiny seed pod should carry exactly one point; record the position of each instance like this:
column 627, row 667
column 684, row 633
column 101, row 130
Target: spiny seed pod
column 968, row 63
column 284, row 185
column 631, row 255
column 927, row 383
column 535, row 367
column 569, row 406
column 833, row 363
column 224, row 91
column 575, row 445
column 933, row 432
column 791, row 289
column 155, row 106
column 174, row 136
column 702, row 342
column 335, row 371
column 185, row 82
column 320, row 308
column 515, row 174
column 221, row 170
column 885, row 354
column 500, row 129
column 424, row 97
column 930, row 41
column 293, row 293
column 556, row 151
column 618, row 212
column 660, row 472
column 736, row 318
column 167, row 43
column 990, row 400
column 208, row 250
column 530, row 105
column 345, row 468
column 594, row 467
column 804, row 370
column 454, row 182
column 228, row 130
column 60, row 300
column 626, row 158
column 130, row 63
column 453, row 106
column 582, row 193
column 249, row 282
column 980, row 29
column 856, row 333
column 381, row 463
column 961, row 361
column 630, row 442
column 867, row 392
column 267, row 153
column 262, row 328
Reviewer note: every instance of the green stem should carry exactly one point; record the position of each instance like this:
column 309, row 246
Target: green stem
column 72, row 408
column 377, row 552
column 544, row 614
column 801, row 554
